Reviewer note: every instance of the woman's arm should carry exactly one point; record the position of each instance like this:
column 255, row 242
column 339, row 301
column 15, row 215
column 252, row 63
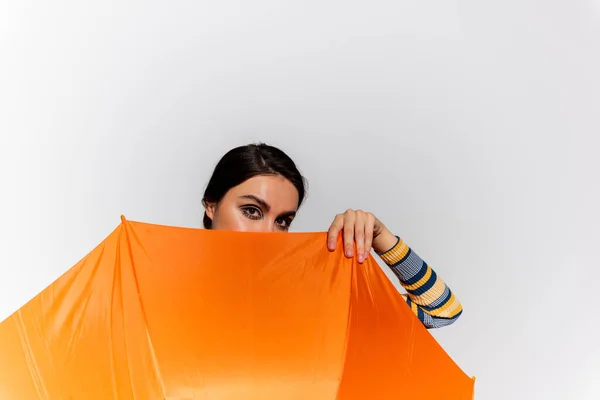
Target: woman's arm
column 427, row 295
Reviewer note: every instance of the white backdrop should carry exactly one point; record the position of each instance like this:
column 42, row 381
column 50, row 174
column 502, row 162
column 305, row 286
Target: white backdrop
column 471, row 129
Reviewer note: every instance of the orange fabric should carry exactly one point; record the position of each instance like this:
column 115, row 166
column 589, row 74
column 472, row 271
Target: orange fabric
column 159, row 312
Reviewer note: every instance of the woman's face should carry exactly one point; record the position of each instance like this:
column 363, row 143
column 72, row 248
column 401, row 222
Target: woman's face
column 260, row 204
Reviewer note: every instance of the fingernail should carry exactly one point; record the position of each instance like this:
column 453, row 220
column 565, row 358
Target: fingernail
column 331, row 245
column 349, row 252
column 360, row 258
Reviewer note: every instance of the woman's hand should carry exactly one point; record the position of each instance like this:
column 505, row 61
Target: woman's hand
column 364, row 229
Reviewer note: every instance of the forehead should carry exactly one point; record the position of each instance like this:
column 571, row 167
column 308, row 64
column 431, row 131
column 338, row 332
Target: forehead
column 277, row 191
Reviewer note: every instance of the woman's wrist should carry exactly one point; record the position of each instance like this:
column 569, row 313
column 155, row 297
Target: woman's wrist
column 384, row 241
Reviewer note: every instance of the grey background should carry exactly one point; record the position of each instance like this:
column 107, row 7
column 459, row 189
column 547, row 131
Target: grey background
column 470, row 128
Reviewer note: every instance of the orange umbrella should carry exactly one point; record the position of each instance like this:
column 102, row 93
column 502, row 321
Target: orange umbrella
column 160, row 312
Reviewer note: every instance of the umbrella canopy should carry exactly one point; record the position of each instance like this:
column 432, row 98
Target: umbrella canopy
column 160, row 312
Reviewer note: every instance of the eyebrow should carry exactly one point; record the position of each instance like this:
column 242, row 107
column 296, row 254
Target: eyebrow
column 260, row 201
column 266, row 205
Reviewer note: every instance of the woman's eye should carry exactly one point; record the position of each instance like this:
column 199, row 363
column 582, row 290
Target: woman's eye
column 284, row 223
column 251, row 212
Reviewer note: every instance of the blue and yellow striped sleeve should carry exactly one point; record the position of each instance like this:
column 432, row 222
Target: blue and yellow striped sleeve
column 427, row 295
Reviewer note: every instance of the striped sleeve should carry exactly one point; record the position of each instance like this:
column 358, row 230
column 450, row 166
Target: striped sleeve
column 428, row 296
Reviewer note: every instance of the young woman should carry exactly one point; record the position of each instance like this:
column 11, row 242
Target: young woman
column 257, row 187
